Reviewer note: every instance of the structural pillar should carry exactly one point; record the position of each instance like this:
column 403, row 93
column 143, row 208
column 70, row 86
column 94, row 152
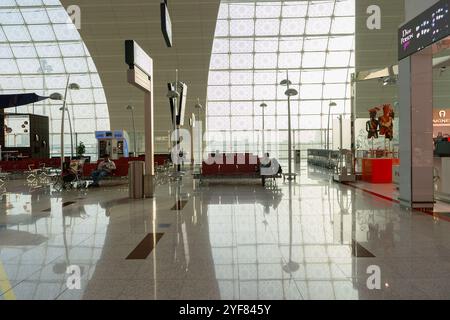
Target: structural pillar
column 198, row 142
column 416, row 130
column 149, row 146
column 140, row 75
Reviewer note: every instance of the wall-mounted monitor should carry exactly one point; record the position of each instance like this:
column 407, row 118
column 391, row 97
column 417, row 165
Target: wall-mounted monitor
column 427, row 28
column 181, row 107
column 136, row 56
column 166, row 24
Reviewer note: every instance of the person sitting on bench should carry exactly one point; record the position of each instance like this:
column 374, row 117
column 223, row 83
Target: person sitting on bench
column 105, row 168
column 69, row 173
column 269, row 168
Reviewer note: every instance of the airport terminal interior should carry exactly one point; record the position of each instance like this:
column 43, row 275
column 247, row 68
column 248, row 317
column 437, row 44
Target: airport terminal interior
column 224, row 150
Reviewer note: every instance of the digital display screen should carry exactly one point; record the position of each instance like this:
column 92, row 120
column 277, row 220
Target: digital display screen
column 166, row 24
column 424, row 30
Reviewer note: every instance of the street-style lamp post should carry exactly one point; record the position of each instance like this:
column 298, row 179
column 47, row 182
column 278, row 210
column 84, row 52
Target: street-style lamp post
column 70, row 128
column 72, row 86
column 332, row 104
column 263, row 107
column 290, row 92
column 58, row 96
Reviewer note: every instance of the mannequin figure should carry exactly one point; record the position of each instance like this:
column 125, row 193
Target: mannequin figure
column 387, row 122
column 372, row 125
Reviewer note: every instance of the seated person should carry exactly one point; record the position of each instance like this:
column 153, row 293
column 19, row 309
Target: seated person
column 105, row 168
column 269, row 168
column 69, row 173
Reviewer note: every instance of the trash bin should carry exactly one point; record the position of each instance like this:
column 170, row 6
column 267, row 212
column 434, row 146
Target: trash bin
column 298, row 156
column 136, row 179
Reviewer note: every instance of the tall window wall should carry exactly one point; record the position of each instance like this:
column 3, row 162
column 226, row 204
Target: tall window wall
column 258, row 44
column 39, row 48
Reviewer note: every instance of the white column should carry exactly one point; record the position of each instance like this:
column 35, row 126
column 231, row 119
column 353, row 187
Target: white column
column 416, row 130
column 149, row 145
column 198, row 142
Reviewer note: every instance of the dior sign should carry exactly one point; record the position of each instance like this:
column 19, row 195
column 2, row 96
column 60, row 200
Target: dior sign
column 427, row 28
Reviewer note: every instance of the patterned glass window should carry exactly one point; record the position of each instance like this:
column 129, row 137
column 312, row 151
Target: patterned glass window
column 256, row 44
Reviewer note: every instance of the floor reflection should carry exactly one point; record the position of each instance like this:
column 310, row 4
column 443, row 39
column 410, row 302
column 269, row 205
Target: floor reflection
column 312, row 239
column 39, row 238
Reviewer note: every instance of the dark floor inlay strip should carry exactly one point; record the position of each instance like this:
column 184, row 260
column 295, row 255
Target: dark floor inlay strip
column 179, row 205
column 164, row 225
column 65, row 204
column 145, row 247
column 360, row 252
column 68, row 203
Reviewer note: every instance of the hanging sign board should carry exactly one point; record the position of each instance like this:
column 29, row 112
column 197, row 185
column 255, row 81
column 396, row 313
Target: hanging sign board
column 136, row 56
column 427, row 28
column 166, row 24
column 181, row 108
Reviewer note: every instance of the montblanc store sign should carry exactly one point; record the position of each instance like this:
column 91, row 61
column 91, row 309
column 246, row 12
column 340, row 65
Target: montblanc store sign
column 427, row 28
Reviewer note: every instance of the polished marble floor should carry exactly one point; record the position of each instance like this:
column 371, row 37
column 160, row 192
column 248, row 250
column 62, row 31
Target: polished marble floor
column 313, row 239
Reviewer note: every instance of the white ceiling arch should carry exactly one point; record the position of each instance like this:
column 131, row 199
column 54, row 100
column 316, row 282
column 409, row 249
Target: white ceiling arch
column 105, row 24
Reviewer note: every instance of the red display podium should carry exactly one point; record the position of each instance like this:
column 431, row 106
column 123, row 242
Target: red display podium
column 378, row 170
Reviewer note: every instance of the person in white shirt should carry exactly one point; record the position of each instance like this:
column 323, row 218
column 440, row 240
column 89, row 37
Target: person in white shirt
column 269, row 168
column 105, row 168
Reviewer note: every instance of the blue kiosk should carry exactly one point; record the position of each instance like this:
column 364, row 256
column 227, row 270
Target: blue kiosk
column 115, row 143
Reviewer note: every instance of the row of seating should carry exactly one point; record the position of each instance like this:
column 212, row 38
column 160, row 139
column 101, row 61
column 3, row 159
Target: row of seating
column 121, row 166
column 243, row 164
column 25, row 164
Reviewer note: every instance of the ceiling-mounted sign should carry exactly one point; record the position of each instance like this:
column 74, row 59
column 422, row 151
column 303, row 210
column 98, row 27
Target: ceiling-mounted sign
column 180, row 109
column 427, row 28
column 166, row 24
column 136, row 56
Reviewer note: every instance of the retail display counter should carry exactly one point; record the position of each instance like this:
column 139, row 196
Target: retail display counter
column 378, row 170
